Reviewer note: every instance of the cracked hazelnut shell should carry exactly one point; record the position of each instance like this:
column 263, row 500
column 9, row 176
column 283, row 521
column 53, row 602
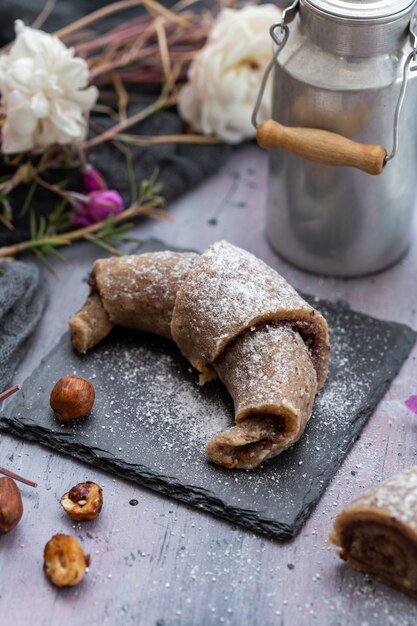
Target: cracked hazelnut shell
column 65, row 563
column 83, row 502
column 11, row 506
column 72, row 397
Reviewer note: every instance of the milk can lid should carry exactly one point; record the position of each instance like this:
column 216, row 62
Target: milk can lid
column 362, row 9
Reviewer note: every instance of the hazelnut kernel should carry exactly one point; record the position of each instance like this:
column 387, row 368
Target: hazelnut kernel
column 72, row 397
column 65, row 563
column 84, row 501
column 11, row 506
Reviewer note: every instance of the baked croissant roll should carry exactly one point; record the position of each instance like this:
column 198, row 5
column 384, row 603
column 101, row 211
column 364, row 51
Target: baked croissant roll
column 136, row 291
column 233, row 317
column 377, row 532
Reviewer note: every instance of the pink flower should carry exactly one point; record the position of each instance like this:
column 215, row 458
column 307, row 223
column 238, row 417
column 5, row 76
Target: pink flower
column 102, row 203
column 93, row 179
column 411, row 404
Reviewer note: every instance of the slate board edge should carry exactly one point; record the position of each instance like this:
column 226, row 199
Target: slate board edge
column 364, row 415
column 188, row 494
column 205, row 500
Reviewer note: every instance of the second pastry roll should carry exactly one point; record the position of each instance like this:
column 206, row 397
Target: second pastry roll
column 377, row 531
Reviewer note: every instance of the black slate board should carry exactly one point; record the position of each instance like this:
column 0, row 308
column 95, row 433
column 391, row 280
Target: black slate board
column 151, row 420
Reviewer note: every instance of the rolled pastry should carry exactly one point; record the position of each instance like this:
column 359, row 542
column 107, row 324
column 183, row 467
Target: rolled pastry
column 271, row 378
column 377, row 532
column 230, row 291
column 136, row 291
column 90, row 325
column 233, row 317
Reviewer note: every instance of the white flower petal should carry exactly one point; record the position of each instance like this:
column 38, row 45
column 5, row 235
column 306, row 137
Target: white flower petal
column 43, row 91
column 46, row 133
column 85, row 99
column 189, row 106
column 225, row 75
column 20, row 127
column 40, row 105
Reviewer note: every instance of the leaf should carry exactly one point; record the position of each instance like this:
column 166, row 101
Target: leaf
column 41, row 257
column 53, row 252
column 132, row 178
column 28, row 199
column 102, row 244
column 151, row 189
column 58, row 220
column 33, row 233
column 42, row 227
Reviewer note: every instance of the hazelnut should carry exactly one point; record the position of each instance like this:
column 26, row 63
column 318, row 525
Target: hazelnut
column 72, row 397
column 83, row 501
column 11, row 506
column 64, row 563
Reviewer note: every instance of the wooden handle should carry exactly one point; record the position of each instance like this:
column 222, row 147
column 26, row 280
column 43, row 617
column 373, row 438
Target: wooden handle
column 322, row 146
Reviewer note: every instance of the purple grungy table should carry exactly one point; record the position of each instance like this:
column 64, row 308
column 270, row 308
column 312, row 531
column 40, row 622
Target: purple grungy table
column 163, row 563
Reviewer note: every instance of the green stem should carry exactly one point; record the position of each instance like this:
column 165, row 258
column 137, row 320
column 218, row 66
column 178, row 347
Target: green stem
column 66, row 238
column 104, row 245
column 28, row 198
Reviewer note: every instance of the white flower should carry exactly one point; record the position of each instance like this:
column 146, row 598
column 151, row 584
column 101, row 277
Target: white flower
column 225, row 76
column 42, row 86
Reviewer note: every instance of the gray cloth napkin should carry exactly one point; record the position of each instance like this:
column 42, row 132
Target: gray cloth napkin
column 23, row 297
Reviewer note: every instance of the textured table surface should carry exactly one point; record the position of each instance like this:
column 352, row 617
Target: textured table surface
column 163, row 563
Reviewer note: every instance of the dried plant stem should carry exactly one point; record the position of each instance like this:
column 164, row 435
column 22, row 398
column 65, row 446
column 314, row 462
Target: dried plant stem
column 7, row 223
column 149, row 208
column 80, row 197
column 122, row 95
column 163, row 48
column 44, row 14
column 184, row 4
column 161, row 103
column 135, row 27
column 110, row 9
column 133, row 54
column 144, row 140
column 9, row 392
column 10, row 474
column 127, row 46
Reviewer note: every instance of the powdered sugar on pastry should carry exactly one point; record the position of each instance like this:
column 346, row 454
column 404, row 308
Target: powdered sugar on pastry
column 232, row 316
column 230, row 290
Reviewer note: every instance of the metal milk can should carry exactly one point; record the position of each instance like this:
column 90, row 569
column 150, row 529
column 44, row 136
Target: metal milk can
column 343, row 139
